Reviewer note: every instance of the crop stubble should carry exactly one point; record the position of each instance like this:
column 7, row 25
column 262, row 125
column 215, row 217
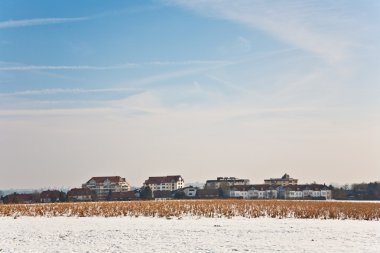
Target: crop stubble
column 202, row 208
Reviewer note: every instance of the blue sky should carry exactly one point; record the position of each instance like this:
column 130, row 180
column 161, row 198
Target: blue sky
column 199, row 88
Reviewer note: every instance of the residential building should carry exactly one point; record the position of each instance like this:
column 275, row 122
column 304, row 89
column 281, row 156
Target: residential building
column 262, row 191
column 283, row 181
column 326, row 193
column 316, row 191
column 105, row 186
column 165, row 183
column 51, row 196
column 313, row 191
column 190, row 191
column 225, row 182
column 238, row 191
column 124, row 196
column 162, row 195
column 293, row 192
column 208, row 193
column 81, row 194
column 22, row 198
column 252, row 192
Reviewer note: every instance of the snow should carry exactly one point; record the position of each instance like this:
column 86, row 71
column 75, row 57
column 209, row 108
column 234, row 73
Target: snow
column 190, row 234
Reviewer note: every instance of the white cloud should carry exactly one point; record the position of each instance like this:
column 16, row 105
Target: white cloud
column 64, row 91
column 66, row 67
column 22, row 67
column 316, row 27
column 38, row 22
column 190, row 62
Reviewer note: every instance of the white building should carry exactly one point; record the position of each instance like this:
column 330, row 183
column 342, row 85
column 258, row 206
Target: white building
column 190, row 191
column 282, row 181
column 262, row 192
column 316, row 191
column 80, row 194
column 239, row 191
column 221, row 182
column 104, row 186
column 252, row 192
column 313, row 191
column 166, row 183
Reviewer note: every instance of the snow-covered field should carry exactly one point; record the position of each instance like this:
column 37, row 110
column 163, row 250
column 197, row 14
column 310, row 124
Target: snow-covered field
column 143, row 234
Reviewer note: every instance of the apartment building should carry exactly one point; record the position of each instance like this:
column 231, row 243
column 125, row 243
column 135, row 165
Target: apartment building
column 165, row 183
column 222, row 182
column 282, row 181
column 105, row 186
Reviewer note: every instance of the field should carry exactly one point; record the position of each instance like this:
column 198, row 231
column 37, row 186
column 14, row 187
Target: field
column 203, row 208
column 191, row 226
column 189, row 234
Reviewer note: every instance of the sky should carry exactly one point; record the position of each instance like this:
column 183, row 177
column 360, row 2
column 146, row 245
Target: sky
column 201, row 88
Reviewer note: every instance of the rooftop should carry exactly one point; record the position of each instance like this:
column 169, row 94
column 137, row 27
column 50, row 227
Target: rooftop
column 164, row 179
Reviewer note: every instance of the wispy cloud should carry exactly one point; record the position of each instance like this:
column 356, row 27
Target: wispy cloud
column 21, row 67
column 190, row 62
column 66, row 67
column 38, row 22
column 317, row 27
column 65, row 91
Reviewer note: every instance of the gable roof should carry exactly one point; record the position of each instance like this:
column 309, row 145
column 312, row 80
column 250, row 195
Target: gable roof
column 227, row 179
column 162, row 194
column 263, row 187
column 21, row 196
column 123, row 195
column 284, row 178
column 162, row 180
column 50, row 194
column 113, row 179
column 79, row 192
column 303, row 187
column 258, row 187
column 208, row 192
column 241, row 187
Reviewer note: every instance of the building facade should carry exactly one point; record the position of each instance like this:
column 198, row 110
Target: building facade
column 283, row 181
column 80, row 194
column 262, row 191
column 252, row 192
column 165, row 183
column 313, row 191
column 105, row 186
column 51, row 196
column 222, row 182
column 190, row 191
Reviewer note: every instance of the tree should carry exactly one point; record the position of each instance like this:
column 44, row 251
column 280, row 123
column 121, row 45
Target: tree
column 224, row 188
column 146, row 193
column 109, row 196
column 62, row 196
column 180, row 195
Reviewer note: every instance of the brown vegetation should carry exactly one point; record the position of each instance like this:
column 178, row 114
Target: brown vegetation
column 203, row 208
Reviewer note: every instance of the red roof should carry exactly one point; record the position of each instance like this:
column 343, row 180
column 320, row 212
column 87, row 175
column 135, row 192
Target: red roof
column 263, row 187
column 162, row 194
column 302, row 187
column 314, row 187
column 113, row 179
column 259, row 187
column 79, row 192
column 49, row 194
column 23, row 197
column 123, row 195
column 161, row 180
column 241, row 187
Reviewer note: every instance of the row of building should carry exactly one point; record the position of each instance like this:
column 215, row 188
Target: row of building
column 116, row 188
